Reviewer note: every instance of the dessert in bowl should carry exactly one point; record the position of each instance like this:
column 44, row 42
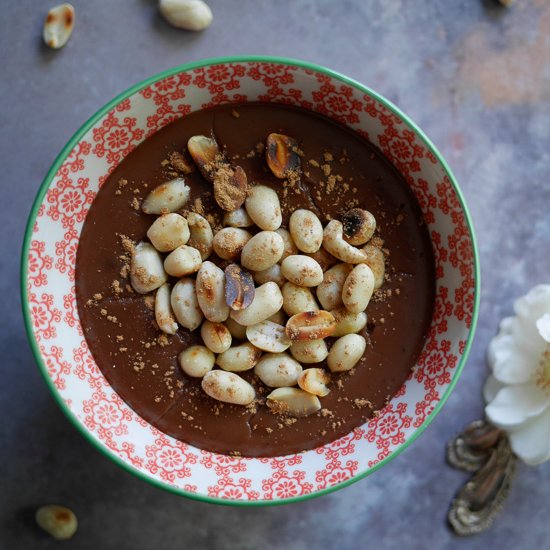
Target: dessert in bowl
column 116, row 373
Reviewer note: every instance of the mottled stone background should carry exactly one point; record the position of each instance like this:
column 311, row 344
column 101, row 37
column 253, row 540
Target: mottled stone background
column 475, row 76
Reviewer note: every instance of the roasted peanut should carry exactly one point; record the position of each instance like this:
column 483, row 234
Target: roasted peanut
column 306, row 230
column 182, row 261
column 302, row 270
column 180, row 162
column 293, row 401
column 267, row 301
column 309, row 351
column 204, row 150
column 191, row 15
column 358, row 288
column 262, row 251
column 346, row 352
column 230, row 182
column 168, row 197
column 348, row 322
column 324, row 259
column 310, row 325
column 280, row 318
column 58, row 26
column 281, row 154
column 163, row 310
column 216, row 336
column 268, row 336
column 211, row 292
column 334, row 243
column 297, row 299
column 201, row 235
column 229, row 242
column 262, row 205
column 237, row 331
column 237, row 218
column 314, row 381
column 228, row 387
column 168, row 232
column 376, row 261
column 185, row 304
column 278, row 370
column 239, row 358
column 58, row 521
column 230, row 187
column 359, row 226
column 196, row 361
column 290, row 248
column 271, row 274
column 239, row 287
column 146, row 270
column 329, row 292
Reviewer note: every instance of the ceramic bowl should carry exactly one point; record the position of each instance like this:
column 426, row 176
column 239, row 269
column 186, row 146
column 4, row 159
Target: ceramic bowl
column 55, row 333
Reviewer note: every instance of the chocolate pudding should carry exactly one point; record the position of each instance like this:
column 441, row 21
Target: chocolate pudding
column 339, row 171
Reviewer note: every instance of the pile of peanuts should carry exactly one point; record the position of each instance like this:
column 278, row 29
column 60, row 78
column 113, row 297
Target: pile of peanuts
column 269, row 297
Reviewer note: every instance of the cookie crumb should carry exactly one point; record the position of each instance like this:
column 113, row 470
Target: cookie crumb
column 127, row 243
column 117, row 289
column 149, row 301
column 361, row 402
column 179, row 162
column 163, row 340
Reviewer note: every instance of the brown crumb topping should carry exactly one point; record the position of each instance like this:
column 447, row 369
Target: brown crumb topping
column 116, row 287
column 361, row 403
column 127, row 243
column 180, row 163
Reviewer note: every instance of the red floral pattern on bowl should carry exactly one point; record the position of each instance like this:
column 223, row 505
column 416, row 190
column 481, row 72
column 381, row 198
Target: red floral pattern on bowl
column 54, row 327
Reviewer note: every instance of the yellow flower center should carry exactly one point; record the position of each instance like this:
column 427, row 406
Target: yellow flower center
column 542, row 376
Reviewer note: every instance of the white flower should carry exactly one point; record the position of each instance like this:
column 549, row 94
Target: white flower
column 518, row 392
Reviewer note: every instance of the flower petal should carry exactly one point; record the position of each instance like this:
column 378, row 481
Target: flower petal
column 491, row 388
column 529, row 309
column 543, row 326
column 534, row 304
column 527, row 337
column 532, row 442
column 509, row 364
column 513, row 405
column 506, row 325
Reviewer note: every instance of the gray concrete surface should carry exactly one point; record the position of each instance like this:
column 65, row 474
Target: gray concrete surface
column 476, row 77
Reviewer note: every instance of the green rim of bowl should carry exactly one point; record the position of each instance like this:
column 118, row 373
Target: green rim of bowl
column 76, row 138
